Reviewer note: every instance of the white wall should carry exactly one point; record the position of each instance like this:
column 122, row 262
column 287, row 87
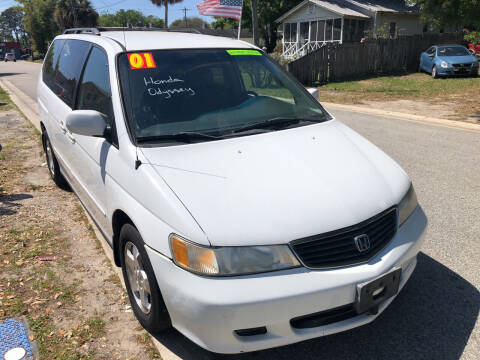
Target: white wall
column 305, row 14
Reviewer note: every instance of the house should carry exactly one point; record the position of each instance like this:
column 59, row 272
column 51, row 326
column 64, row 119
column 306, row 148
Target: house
column 312, row 23
column 10, row 47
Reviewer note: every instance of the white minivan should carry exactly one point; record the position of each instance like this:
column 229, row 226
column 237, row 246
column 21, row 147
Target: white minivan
column 241, row 212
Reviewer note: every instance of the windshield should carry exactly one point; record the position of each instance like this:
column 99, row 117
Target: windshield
column 208, row 92
column 452, row 51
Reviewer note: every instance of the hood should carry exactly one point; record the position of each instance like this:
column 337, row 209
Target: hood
column 275, row 187
column 458, row 59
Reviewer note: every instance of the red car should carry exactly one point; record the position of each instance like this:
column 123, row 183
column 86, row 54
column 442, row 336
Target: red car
column 476, row 49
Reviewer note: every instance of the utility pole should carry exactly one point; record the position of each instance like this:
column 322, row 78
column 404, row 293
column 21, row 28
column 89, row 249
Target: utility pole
column 185, row 16
column 255, row 21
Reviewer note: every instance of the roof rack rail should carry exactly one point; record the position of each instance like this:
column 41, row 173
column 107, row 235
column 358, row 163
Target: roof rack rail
column 96, row 31
column 93, row 31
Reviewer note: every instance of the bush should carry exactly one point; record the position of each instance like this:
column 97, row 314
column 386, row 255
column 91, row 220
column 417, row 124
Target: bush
column 473, row 37
column 280, row 59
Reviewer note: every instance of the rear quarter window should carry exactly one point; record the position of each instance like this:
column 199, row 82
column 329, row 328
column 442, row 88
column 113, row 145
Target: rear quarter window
column 50, row 62
column 63, row 67
column 69, row 67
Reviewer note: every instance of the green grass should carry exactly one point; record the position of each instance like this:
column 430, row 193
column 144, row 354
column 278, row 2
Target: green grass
column 404, row 86
column 5, row 102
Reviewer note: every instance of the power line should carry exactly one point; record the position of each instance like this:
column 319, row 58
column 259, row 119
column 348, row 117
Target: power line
column 107, row 6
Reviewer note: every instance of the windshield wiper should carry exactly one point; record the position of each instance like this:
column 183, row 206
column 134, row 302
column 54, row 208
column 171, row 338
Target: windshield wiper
column 273, row 122
column 184, row 137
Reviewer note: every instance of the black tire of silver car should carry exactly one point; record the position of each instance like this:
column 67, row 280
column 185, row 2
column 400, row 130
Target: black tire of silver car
column 142, row 287
column 434, row 72
column 52, row 163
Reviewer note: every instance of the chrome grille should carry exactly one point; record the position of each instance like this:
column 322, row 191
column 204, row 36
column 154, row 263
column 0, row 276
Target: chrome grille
column 337, row 248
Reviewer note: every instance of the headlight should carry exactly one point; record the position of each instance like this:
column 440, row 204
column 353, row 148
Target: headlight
column 444, row 64
column 228, row 261
column 407, row 205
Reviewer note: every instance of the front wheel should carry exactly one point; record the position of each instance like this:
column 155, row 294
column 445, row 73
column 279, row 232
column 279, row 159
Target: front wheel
column 142, row 287
column 434, row 73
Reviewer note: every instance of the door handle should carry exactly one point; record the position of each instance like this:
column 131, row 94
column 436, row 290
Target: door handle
column 71, row 138
column 62, row 127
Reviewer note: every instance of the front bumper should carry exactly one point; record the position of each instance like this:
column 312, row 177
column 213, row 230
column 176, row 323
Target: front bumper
column 209, row 310
column 450, row 71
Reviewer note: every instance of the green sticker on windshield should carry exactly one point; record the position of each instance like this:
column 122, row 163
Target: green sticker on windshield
column 244, row 52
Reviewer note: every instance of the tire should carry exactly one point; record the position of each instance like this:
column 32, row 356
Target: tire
column 52, row 163
column 149, row 308
column 434, row 73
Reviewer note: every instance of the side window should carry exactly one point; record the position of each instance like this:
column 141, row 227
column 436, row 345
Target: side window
column 50, row 63
column 94, row 92
column 258, row 80
column 69, row 68
column 431, row 51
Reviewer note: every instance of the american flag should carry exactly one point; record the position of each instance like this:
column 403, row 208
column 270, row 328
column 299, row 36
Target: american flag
column 221, row 8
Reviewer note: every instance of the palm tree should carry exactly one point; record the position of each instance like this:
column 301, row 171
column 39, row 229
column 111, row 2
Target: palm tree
column 75, row 13
column 165, row 3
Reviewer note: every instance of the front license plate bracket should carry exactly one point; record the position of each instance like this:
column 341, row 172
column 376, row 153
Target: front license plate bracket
column 370, row 294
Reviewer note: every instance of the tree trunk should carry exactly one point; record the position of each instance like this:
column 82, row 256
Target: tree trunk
column 255, row 21
column 166, row 13
column 272, row 38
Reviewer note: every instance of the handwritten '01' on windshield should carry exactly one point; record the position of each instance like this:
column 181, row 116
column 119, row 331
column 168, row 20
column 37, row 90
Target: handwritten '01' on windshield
column 167, row 93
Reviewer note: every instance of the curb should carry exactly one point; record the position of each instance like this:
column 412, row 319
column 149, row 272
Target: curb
column 404, row 116
column 28, row 107
column 30, row 110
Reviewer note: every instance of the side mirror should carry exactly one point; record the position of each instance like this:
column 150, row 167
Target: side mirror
column 314, row 93
column 472, row 51
column 87, row 123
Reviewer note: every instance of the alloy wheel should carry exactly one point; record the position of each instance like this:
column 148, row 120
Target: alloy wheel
column 50, row 161
column 137, row 278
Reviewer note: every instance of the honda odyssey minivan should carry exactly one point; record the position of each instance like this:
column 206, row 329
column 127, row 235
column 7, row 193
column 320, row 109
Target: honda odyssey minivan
column 242, row 213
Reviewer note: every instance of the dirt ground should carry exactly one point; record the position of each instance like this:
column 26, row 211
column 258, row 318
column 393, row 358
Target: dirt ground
column 52, row 268
column 417, row 94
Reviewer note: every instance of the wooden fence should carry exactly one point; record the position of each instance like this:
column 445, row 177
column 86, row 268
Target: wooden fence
column 336, row 62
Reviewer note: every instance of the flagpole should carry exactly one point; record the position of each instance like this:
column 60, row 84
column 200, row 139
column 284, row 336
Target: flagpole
column 240, row 23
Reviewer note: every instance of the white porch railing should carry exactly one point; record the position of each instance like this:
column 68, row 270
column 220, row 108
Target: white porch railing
column 293, row 50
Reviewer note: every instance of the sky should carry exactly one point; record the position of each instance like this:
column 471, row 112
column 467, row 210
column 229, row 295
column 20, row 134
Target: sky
column 145, row 6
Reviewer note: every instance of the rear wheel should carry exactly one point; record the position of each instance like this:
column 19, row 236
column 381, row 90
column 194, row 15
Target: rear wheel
column 142, row 287
column 52, row 163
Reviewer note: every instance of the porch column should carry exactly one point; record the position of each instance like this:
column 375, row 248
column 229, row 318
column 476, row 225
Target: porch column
column 298, row 38
column 309, row 31
column 283, row 39
column 341, row 31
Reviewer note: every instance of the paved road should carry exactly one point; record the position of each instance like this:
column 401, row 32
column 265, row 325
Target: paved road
column 437, row 314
